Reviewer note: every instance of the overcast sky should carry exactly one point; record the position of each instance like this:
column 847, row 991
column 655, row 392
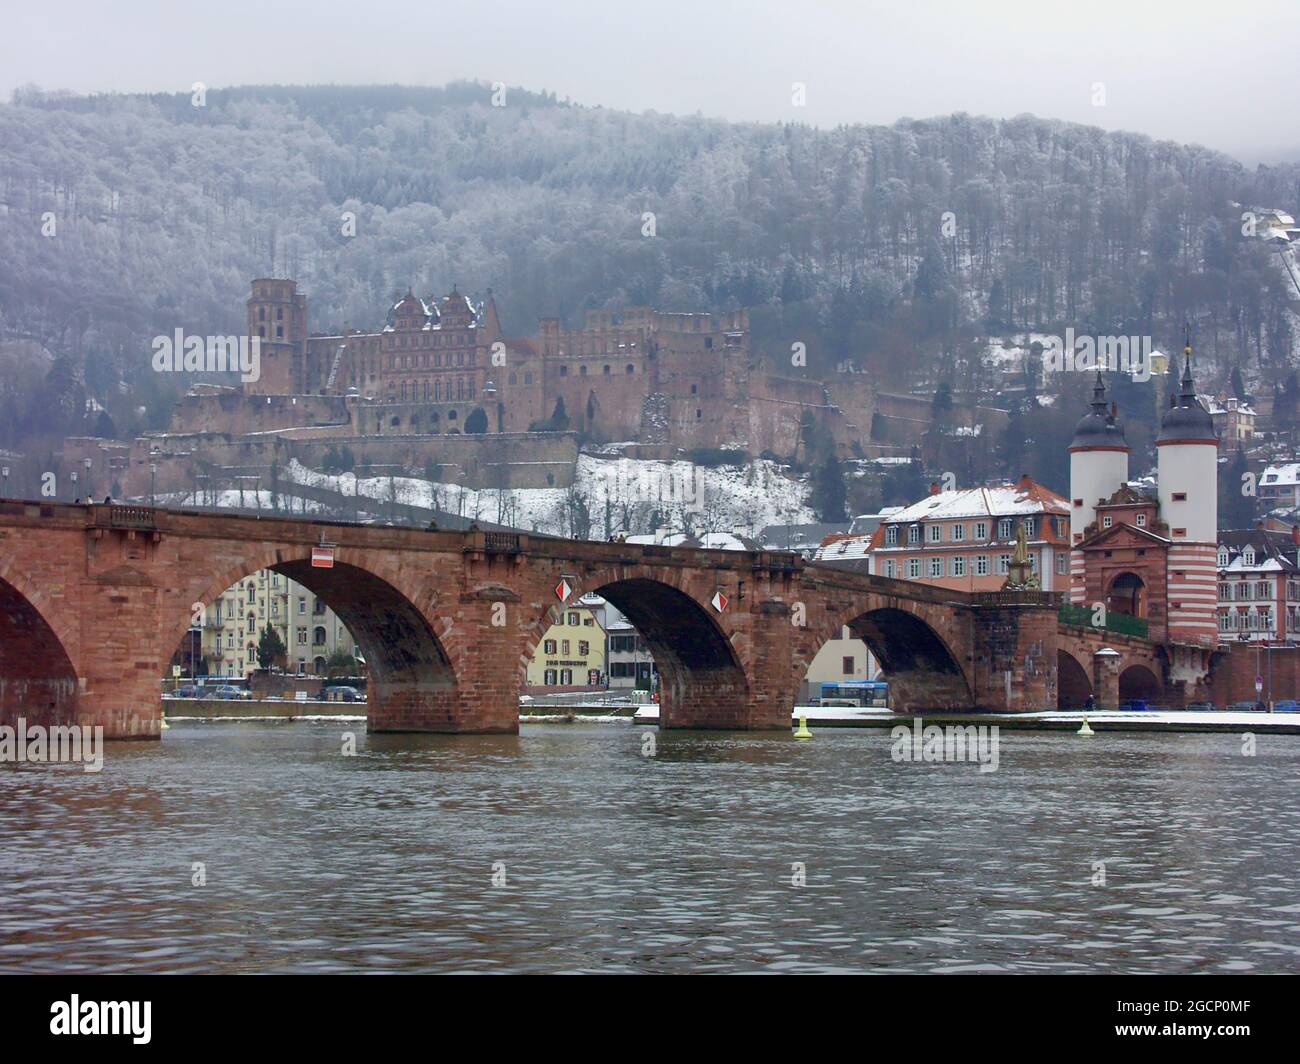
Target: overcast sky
column 1219, row 73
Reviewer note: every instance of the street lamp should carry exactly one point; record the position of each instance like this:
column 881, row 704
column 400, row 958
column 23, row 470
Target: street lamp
column 4, row 470
column 73, row 476
column 90, row 497
column 153, row 473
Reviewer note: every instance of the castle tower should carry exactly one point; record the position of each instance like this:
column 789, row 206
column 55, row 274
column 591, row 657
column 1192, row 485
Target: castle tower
column 277, row 315
column 1188, row 463
column 1098, row 466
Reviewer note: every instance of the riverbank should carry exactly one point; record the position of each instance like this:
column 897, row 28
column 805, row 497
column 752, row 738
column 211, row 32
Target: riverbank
column 215, row 710
column 1051, row 720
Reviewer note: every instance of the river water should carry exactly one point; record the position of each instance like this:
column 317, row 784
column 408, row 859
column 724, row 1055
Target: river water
column 609, row 860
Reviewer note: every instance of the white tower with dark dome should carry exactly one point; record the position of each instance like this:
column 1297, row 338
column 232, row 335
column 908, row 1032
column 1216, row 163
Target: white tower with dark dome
column 1098, row 466
column 1188, row 462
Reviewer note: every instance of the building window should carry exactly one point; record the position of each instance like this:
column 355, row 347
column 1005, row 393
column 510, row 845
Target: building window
column 889, row 568
column 981, row 565
column 958, row 533
column 891, row 536
column 913, row 534
column 1141, row 520
column 1004, row 528
column 914, row 568
column 1031, row 527
column 302, row 636
column 1061, row 563
column 846, row 666
column 936, row 567
column 564, row 647
column 981, row 530
column 573, row 620
column 1180, row 496
column 549, row 646
column 1004, row 564
column 959, row 566
column 936, row 533
column 1106, row 521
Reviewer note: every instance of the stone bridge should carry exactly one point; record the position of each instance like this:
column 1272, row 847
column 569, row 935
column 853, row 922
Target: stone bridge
column 95, row 599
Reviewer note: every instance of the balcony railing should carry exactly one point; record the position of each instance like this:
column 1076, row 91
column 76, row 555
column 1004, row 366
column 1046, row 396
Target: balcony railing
column 1119, row 623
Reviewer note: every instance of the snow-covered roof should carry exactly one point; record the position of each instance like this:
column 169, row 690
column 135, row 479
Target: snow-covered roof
column 844, row 549
column 985, row 501
column 1287, row 475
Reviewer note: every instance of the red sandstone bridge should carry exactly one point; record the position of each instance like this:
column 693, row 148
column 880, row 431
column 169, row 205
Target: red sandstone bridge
column 95, row 599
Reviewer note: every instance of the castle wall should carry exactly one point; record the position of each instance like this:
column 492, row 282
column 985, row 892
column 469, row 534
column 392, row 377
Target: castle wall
column 225, row 410
column 522, row 460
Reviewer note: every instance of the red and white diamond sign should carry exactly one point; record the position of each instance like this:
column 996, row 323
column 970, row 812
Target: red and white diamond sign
column 563, row 590
column 719, row 601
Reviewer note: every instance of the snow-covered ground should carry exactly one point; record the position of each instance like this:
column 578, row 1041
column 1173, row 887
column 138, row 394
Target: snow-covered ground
column 623, row 493
column 616, row 494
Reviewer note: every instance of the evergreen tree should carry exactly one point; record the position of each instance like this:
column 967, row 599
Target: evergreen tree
column 270, row 648
column 829, row 493
column 1236, row 508
column 1238, row 385
column 477, row 421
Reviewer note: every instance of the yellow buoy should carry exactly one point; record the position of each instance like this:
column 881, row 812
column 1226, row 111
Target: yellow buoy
column 803, row 732
column 1085, row 730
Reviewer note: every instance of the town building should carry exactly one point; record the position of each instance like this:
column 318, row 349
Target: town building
column 963, row 538
column 1277, row 486
column 1233, row 419
column 572, row 651
column 233, row 625
column 842, row 657
column 630, row 664
column 1259, row 586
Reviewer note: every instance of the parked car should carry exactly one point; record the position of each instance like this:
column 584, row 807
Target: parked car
column 186, row 691
column 344, row 694
column 1135, row 704
column 1244, row 707
column 1287, row 705
column 230, row 691
column 1201, row 707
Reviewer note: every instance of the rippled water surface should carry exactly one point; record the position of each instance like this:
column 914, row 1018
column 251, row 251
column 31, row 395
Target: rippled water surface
column 615, row 861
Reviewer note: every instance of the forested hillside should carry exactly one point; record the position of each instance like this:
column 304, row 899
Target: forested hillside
column 163, row 211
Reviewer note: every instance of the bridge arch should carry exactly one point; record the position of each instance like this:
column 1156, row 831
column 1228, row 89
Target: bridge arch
column 916, row 656
column 412, row 682
column 1138, row 681
column 702, row 680
column 1073, row 685
column 37, row 678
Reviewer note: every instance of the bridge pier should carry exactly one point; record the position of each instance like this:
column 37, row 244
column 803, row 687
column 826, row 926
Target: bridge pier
column 1105, row 678
column 1015, row 644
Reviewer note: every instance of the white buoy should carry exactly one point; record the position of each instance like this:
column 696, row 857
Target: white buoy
column 1085, row 730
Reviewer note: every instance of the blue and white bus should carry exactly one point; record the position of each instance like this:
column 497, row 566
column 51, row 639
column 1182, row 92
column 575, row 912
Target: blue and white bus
column 863, row 693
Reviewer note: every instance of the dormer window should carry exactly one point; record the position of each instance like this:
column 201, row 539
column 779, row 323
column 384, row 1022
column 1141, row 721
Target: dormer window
column 1141, row 520
column 1106, row 521
column 1223, row 559
column 1248, row 556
